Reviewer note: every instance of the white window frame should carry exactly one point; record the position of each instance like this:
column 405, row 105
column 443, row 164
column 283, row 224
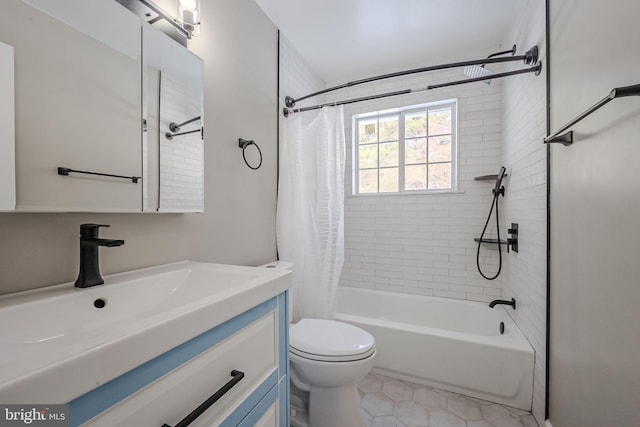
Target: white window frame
column 402, row 112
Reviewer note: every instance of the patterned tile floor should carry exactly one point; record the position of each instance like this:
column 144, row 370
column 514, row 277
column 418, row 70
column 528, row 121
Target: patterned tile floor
column 387, row 402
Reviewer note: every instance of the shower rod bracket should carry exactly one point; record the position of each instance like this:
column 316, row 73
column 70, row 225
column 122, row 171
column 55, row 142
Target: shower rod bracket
column 290, row 102
column 531, row 56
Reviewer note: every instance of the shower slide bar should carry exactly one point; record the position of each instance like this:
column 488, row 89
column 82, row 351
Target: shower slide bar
column 536, row 69
column 530, row 57
column 567, row 138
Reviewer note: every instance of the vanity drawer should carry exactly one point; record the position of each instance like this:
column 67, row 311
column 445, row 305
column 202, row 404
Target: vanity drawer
column 270, row 417
column 252, row 351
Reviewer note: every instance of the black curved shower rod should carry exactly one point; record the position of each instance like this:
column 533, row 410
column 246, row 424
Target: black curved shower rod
column 170, row 135
column 535, row 69
column 530, row 57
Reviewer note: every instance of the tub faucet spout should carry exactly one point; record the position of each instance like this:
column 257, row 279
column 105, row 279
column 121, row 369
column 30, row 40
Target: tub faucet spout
column 89, row 266
column 495, row 302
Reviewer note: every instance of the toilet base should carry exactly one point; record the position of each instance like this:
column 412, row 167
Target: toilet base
column 298, row 407
column 335, row 406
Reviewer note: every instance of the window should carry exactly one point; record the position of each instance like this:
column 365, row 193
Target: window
column 406, row 150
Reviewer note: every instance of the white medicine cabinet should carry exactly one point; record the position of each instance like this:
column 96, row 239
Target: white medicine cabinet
column 83, row 138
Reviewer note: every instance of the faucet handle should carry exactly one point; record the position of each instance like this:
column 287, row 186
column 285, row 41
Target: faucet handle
column 88, row 231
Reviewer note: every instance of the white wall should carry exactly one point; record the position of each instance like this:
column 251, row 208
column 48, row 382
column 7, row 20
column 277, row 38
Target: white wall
column 525, row 201
column 238, row 45
column 423, row 243
column 595, row 206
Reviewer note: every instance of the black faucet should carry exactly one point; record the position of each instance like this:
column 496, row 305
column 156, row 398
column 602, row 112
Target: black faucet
column 495, row 302
column 89, row 266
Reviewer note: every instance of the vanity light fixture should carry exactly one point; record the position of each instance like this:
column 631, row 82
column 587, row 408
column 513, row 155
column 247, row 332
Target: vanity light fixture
column 188, row 22
column 189, row 16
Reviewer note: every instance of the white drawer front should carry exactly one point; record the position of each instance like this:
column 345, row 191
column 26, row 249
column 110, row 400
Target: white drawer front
column 270, row 418
column 252, row 350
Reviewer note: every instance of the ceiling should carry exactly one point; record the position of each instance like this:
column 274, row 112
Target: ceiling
column 345, row 40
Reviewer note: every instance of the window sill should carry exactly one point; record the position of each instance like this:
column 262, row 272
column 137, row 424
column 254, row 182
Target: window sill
column 407, row 193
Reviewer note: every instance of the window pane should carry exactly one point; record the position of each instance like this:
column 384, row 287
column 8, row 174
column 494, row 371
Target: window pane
column 440, row 149
column 368, row 181
column 440, row 121
column 415, row 150
column 368, row 131
column 389, row 128
column 389, row 154
column 415, row 124
column 389, row 180
column 368, row 157
column 415, row 177
column 439, row 176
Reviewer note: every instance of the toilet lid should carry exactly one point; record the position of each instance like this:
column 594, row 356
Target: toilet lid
column 328, row 340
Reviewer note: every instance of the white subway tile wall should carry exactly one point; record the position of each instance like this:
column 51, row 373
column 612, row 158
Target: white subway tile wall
column 418, row 243
column 182, row 169
column 296, row 77
column 525, row 156
column 423, row 243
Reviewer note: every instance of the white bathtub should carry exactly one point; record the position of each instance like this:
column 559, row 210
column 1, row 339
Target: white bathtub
column 449, row 344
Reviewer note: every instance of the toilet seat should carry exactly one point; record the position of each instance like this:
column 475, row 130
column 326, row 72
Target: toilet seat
column 330, row 341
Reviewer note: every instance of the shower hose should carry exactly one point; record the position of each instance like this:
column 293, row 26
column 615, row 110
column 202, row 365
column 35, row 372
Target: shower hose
column 493, row 203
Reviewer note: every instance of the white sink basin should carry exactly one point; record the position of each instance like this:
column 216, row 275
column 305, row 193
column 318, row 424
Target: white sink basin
column 57, row 343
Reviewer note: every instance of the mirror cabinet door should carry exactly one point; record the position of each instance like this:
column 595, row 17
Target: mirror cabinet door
column 7, row 131
column 77, row 103
column 86, row 100
column 173, row 142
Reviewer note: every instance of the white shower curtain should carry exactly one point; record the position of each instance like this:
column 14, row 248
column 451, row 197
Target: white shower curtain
column 310, row 218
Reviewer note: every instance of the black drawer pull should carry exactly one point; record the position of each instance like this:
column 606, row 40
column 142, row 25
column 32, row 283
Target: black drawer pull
column 236, row 376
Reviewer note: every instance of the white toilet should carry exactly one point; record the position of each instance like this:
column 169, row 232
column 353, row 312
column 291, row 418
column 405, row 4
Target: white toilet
column 327, row 359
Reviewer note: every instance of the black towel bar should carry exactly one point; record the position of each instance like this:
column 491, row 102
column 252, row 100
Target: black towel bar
column 567, row 138
column 67, row 171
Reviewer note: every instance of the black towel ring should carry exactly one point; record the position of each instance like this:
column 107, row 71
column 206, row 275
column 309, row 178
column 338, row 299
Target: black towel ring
column 244, row 143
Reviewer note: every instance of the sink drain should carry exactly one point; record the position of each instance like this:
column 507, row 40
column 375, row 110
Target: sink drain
column 99, row 303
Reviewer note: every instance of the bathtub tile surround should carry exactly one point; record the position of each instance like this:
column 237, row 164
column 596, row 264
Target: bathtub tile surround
column 423, row 243
column 388, row 402
column 524, row 126
column 420, row 244
column 296, row 76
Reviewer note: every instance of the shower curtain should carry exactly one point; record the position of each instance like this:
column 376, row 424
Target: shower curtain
column 310, row 216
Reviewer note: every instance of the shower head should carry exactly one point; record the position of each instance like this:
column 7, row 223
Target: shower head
column 475, row 71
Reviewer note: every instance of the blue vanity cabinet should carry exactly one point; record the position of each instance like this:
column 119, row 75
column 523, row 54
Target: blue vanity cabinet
column 248, row 354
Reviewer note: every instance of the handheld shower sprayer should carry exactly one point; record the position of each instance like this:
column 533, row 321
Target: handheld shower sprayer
column 497, row 191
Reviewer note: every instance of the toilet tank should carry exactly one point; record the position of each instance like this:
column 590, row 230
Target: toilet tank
column 283, row 265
